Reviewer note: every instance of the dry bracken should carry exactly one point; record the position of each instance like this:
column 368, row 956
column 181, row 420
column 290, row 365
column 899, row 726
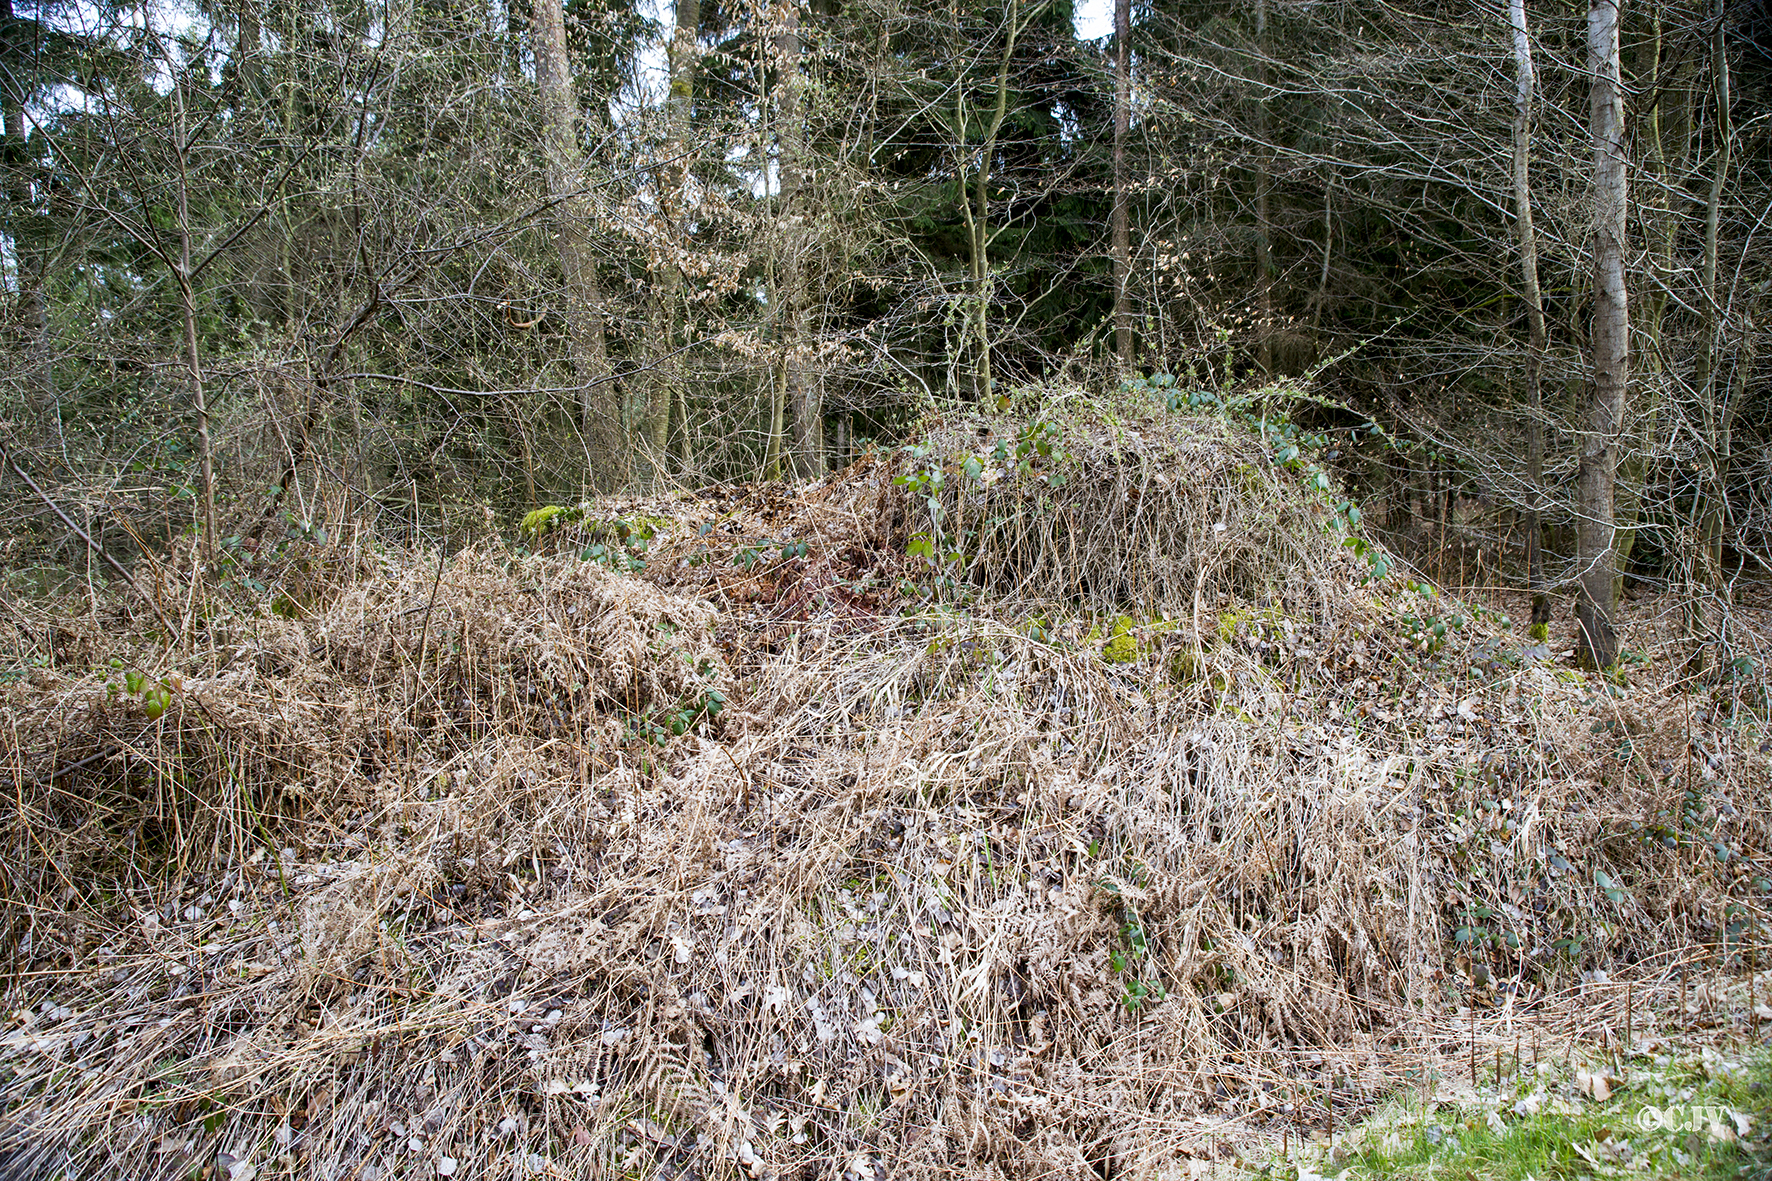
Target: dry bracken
column 427, row 881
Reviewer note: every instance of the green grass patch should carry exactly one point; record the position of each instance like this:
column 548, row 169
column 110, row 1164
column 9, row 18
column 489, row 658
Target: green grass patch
column 1703, row 1115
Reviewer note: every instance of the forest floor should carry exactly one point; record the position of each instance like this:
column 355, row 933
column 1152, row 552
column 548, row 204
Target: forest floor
column 865, row 829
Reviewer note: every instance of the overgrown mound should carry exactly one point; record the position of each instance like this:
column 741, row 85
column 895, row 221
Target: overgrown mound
column 834, row 831
column 1152, row 511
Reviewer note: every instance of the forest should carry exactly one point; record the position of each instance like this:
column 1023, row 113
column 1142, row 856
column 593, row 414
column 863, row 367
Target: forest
column 398, row 264
column 863, row 589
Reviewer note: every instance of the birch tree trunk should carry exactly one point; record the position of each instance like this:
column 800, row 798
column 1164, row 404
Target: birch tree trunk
column 1524, row 96
column 1596, row 554
column 599, row 404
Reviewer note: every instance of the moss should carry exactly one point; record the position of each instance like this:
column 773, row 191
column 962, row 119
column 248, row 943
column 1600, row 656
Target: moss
column 551, row 518
column 632, row 532
column 1121, row 647
column 548, row 518
column 1184, row 666
column 1540, row 632
column 1234, row 621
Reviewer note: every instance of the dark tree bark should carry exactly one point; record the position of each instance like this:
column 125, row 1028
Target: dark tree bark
column 1264, row 258
column 33, row 318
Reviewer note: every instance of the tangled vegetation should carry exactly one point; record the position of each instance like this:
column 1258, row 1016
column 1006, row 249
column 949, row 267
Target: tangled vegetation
column 1076, row 793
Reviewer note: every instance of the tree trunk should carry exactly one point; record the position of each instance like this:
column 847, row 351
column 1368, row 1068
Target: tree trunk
column 187, row 298
column 1523, row 100
column 1122, row 244
column 1716, row 414
column 1655, row 215
column 599, row 404
column 666, row 386
column 1321, row 298
column 978, row 209
column 804, row 405
column 1596, row 555
column 776, row 409
column 1264, row 260
column 685, row 440
column 39, row 375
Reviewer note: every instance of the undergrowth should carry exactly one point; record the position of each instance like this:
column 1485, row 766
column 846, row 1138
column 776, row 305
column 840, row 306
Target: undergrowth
column 998, row 824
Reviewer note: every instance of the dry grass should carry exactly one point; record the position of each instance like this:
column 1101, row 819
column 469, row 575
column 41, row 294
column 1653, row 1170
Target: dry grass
column 393, row 889
column 1152, row 510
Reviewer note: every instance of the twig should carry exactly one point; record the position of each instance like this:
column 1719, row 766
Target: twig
column 113, row 563
column 424, row 638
